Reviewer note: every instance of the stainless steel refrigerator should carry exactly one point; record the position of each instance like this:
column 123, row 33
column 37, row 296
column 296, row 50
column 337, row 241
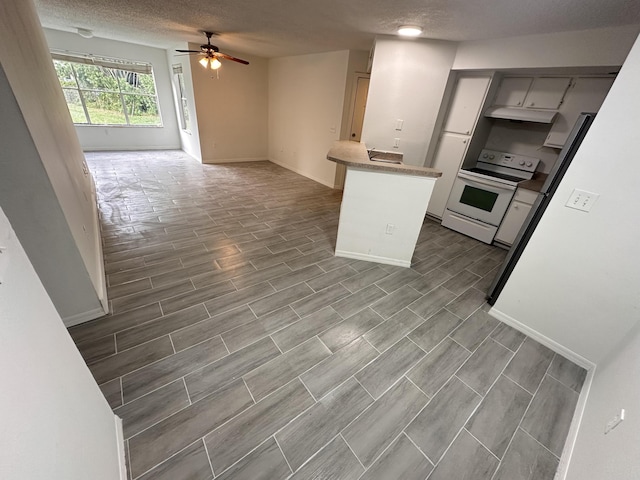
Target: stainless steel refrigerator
column 537, row 210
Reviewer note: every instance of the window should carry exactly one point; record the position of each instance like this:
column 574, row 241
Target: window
column 102, row 91
column 185, row 121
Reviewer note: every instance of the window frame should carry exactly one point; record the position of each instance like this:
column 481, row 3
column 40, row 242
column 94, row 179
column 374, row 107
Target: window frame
column 181, row 94
column 113, row 65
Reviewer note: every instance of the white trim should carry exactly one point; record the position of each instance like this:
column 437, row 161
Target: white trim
column 572, row 436
column 129, row 148
column 304, row 174
column 373, row 258
column 101, row 289
column 546, row 341
column 83, row 317
column 120, row 446
column 234, row 160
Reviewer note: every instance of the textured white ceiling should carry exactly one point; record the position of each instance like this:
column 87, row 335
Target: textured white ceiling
column 272, row 28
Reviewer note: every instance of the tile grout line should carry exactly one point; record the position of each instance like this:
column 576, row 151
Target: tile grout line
column 186, row 389
column 206, row 451
column 282, row 452
column 484, row 446
column 349, row 447
column 415, row 445
column 533, row 395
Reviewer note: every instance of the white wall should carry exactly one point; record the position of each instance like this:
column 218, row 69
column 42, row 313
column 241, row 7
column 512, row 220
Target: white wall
column 189, row 139
column 231, row 109
column 95, row 137
column 615, row 386
column 55, row 423
column 306, row 102
column 586, row 48
column 33, row 86
column 578, row 280
column 27, row 196
column 408, row 82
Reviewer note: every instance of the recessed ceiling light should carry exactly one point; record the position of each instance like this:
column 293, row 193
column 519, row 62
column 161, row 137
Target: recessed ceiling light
column 409, row 31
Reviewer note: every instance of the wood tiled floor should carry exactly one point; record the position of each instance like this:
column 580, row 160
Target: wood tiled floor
column 239, row 347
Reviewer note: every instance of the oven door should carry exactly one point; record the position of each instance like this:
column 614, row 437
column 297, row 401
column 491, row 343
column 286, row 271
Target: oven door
column 480, row 198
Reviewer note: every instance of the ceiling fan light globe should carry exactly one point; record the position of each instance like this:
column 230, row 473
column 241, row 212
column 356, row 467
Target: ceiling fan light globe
column 215, row 64
column 204, row 61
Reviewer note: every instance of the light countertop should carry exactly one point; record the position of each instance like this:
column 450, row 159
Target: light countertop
column 535, row 184
column 354, row 154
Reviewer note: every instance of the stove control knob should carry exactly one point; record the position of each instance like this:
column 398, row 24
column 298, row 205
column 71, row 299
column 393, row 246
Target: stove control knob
column 522, row 163
column 529, row 164
column 491, row 157
column 485, row 155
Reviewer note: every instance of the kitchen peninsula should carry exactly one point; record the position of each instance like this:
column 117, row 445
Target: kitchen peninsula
column 383, row 204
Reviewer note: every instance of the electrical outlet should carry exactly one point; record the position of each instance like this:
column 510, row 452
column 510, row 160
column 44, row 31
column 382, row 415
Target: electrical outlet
column 390, row 228
column 613, row 423
column 582, row 200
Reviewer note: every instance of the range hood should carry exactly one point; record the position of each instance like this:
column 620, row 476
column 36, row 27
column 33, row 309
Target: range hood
column 521, row 114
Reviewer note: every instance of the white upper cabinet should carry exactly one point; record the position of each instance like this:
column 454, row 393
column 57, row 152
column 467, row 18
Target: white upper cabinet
column 544, row 93
column 547, row 92
column 513, row 91
column 585, row 95
column 466, row 103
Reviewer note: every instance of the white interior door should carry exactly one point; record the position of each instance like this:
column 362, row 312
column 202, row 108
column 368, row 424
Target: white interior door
column 359, row 107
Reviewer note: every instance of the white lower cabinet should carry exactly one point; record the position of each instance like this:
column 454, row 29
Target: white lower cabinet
column 448, row 158
column 516, row 215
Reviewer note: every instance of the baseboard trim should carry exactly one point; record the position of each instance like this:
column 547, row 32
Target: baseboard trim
column 373, row 258
column 576, row 421
column 304, row 174
column 544, row 340
column 130, row 148
column 120, row 446
column 83, row 317
column 232, row 160
column 572, row 436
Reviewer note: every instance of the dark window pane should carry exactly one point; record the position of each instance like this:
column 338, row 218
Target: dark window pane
column 142, row 110
column 75, row 105
column 478, row 198
column 104, row 108
column 65, row 74
column 96, row 78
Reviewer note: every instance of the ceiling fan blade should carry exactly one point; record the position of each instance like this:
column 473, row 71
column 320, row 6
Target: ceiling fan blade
column 229, row 57
column 188, row 51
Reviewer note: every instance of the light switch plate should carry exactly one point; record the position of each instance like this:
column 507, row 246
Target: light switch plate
column 582, row 200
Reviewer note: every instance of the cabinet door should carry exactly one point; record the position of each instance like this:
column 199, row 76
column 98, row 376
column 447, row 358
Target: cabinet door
column 513, row 221
column 585, row 95
column 513, row 91
column 547, row 92
column 466, row 103
column 448, row 159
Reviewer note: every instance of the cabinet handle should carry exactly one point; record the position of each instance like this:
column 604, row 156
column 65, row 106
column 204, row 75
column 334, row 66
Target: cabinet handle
column 468, row 132
column 531, row 104
column 464, row 141
column 519, row 103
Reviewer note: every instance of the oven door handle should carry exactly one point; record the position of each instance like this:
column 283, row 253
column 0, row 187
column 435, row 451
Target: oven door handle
column 494, row 184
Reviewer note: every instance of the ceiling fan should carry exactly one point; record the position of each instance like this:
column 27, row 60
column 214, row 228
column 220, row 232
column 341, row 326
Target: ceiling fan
column 211, row 54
